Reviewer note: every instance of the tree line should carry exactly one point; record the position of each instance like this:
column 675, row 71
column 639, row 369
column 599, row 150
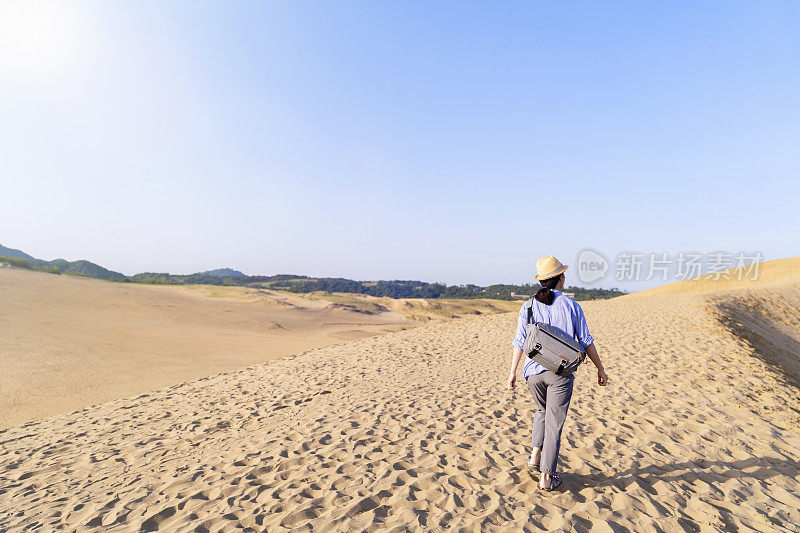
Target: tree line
column 305, row 284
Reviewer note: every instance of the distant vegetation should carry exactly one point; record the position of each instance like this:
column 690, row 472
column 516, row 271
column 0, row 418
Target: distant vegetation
column 163, row 278
column 421, row 289
column 296, row 283
column 16, row 262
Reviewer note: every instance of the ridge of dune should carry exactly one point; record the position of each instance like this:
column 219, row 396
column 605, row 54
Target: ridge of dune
column 775, row 272
column 767, row 320
column 415, row 430
column 764, row 313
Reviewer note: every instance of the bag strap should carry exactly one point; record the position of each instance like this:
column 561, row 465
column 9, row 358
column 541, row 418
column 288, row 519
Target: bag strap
column 529, row 305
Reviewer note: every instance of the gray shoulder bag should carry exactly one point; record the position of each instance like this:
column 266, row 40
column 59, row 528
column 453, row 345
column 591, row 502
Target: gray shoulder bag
column 550, row 347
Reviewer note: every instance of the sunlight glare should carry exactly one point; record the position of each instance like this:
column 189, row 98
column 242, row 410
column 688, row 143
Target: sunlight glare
column 37, row 38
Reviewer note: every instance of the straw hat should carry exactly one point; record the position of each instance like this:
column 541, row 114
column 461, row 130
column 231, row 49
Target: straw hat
column 548, row 267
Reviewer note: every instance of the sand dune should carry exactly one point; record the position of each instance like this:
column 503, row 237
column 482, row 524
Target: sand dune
column 69, row 342
column 414, row 430
column 780, row 272
column 763, row 312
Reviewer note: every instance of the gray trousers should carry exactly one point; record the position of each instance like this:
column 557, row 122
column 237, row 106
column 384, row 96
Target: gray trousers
column 552, row 394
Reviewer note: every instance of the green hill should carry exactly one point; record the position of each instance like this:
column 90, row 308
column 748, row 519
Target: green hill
column 60, row 266
column 89, row 270
column 11, row 252
column 222, row 272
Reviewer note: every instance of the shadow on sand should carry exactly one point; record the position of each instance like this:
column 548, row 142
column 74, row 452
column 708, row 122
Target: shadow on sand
column 710, row 473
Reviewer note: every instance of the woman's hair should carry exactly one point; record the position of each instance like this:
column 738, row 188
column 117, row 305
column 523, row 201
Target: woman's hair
column 546, row 294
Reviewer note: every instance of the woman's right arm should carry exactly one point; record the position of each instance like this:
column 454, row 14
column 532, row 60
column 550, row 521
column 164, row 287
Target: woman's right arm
column 591, row 351
column 518, row 343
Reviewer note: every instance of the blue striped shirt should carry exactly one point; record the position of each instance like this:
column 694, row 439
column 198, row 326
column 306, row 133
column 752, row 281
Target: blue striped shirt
column 564, row 314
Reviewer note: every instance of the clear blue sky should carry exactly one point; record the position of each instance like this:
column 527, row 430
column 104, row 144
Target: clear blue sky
column 442, row 141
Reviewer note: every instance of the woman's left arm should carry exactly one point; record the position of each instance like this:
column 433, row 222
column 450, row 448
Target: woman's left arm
column 512, row 376
column 602, row 378
column 587, row 341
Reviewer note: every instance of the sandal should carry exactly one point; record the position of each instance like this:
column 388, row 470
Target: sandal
column 533, row 465
column 555, row 481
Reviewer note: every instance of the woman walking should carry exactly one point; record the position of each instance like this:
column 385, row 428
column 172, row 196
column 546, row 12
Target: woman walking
column 551, row 391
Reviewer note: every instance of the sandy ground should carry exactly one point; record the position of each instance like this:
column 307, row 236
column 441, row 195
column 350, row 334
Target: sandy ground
column 697, row 430
column 70, row 342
